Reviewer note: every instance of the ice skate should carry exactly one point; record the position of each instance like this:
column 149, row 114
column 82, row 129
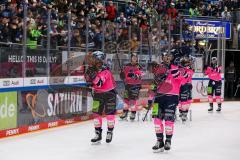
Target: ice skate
column 180, row 114
column 219, row 108
column 211, row 108
column 133, row 115
column 167, row 145
column 124, row 115
column 98, row 137
column 158, row 147
column 109, row 136
column 184, row 117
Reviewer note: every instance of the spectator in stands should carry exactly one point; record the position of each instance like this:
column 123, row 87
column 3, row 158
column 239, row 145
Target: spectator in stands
column 134, row 44
column 144, row 23
column 229, row 4
column 139, row 14
column 161, row 6
column 101, row 14
column 34, row 36
column 111, row 11
column 130, row 9
column 134, row 25
column 15, row 30
column 163, row 42
column 122, row 20
column 172, row 11
column 226, row 15
column 98, row 39
column 100, row 10
column 194, row 11
column 188, row 5
column 7, row 11
column 4, row 29
column 92, row 14
column 55, row 34
column 208, row 11
column 81, row 9
column 76, row 38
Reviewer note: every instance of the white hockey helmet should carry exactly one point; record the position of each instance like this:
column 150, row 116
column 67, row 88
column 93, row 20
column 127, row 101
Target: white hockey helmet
column 99, row 55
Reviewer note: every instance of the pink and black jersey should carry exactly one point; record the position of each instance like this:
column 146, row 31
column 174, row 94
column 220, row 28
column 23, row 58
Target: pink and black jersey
column 103, row 81
column 171, row 85
column 214, row 73
column 133, row 74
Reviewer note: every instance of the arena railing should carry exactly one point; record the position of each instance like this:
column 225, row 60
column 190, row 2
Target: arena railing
column 116, row 39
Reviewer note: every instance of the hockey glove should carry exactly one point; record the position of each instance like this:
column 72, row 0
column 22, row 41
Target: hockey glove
column 131, row 75
column 91, row 73
column 150, row 102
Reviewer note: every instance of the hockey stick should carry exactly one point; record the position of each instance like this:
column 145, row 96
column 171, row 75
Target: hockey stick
column 148, row 109
column 150, row 60
column 118, row 59
column 206, row 58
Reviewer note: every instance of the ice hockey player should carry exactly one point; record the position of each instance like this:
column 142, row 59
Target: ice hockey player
column 166, row 101
column 101, row 80
column 132, row 77
column 157, row 71
column 185, row 97
column 214, row 84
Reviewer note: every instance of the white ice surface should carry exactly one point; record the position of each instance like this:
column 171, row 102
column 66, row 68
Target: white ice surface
column 214, row 136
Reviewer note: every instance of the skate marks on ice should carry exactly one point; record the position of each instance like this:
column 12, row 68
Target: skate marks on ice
column 211, row 136
column 203, row 140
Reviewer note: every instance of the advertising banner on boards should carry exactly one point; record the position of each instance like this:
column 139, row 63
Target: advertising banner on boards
column 8, row 110
column 47, row 105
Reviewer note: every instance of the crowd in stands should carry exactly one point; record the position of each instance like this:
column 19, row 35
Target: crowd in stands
column 93, row 21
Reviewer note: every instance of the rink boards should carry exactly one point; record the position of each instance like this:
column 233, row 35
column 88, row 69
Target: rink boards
column 200, row 83
column 32, row 104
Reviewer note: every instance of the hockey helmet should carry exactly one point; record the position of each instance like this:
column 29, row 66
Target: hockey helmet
column 98, row 55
